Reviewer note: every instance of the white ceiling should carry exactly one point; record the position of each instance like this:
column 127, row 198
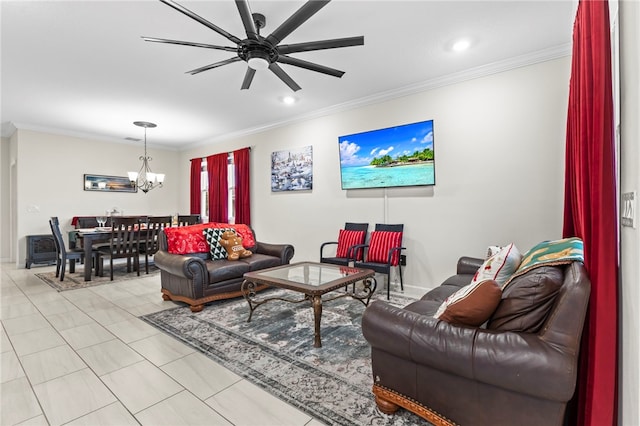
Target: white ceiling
column 81, row 67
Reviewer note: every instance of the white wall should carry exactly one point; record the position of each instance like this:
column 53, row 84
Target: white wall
column 50, row 171
column 629, row 372
column 5, row 224
column 499, row 148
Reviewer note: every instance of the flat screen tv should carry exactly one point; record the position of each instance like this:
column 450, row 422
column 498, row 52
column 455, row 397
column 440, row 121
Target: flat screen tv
column 392, row 157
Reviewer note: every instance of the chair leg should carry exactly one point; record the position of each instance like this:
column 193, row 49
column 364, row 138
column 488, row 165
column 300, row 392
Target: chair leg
column 63, row 266
column 146, row 262
column 400, row 271
column 111, row 266
column 58, row 267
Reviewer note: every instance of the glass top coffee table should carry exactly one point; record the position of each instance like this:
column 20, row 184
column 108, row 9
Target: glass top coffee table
column 313, row 280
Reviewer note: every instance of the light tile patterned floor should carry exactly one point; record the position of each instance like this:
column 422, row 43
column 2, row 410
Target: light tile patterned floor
column 82, row 357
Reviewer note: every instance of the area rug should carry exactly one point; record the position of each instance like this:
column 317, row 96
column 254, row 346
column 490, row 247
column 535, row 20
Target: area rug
column 76, row 280
column 275, row 351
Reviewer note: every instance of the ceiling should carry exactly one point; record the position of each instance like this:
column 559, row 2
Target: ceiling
column 81, row 67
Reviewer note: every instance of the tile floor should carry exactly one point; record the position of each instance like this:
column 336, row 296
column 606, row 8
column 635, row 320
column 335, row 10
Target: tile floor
column 82, row 357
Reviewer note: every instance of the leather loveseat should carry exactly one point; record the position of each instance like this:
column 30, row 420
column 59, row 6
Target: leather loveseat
column 519, row 368
column 195, row 278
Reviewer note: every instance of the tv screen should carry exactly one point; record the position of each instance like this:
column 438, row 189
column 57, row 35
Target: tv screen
column 392, row 157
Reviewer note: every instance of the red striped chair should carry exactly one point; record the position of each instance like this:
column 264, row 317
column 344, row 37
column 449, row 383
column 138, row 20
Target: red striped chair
column 383, row 251
column 353, row 234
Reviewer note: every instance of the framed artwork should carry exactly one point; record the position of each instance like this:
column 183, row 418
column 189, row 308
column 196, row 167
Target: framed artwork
column 292, row 170
column 108, row 183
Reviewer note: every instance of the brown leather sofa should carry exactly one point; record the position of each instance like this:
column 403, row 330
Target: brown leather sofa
column 196, row 279
column 519, row 368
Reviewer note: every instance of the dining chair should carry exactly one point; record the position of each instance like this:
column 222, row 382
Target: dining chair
column 383, row 251
column 124, row 243
column 150, row 245
column 64, row 255
column 352, row 235
column 190, row 219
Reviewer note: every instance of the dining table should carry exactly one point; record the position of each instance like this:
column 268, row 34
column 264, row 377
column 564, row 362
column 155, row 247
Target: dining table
column 89, row 236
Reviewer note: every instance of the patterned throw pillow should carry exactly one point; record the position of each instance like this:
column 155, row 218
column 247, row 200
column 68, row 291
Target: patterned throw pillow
column 471, row 305
column 212, row 236
column 186, row 240
column 500, row 266
column 380, row 244
column 347, row 239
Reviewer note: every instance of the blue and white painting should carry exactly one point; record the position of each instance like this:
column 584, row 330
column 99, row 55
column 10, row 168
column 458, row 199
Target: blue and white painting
column 292, row 170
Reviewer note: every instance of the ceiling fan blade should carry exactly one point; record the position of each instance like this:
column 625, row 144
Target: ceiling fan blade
column 214, row 65
column 247, row 19
column 310, row 66
column 320, row 45
column 200, row 19
column 307, row 10
column 275, row 68
column 248, row 78
column 189, row 43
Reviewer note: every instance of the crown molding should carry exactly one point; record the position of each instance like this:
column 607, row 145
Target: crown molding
column 533, row 58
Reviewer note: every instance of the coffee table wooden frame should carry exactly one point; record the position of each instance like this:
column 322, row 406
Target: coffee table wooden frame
column 254, row 280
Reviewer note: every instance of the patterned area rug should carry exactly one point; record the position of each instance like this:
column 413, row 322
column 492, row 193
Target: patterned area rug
column 76, row 280
column 275, row 351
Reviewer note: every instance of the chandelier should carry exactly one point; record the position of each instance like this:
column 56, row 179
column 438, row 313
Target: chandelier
column 145, row 179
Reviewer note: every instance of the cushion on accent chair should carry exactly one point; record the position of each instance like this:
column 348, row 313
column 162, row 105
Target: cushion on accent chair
column 379, row 245
column 472, row 305
column 347, row 239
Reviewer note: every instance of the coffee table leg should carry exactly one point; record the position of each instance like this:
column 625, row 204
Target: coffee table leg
column 317, row 315
column 249, row 292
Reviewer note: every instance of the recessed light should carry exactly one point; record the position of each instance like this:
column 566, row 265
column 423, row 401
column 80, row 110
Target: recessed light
column 461, row 45
column 289, row 100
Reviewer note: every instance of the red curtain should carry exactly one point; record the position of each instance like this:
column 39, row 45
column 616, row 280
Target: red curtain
column 218, row 188
column 242, row 203
column 590, row 210
column 196, row 190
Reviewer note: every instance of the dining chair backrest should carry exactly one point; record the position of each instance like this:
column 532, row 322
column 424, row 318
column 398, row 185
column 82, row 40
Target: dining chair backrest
column 191, row 219
column 57, row 234
column 155, row 224
column 125, row 235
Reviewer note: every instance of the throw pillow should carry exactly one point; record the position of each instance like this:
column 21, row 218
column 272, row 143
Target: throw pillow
column 347, row 239
column 212, row 235
column 380, row 244
column 186, row 240
column 546, row 253
column 500, row 266
column 527, row 300
column 472, row 305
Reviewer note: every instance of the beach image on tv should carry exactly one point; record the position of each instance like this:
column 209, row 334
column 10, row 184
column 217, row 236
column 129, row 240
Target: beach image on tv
column 395, row 156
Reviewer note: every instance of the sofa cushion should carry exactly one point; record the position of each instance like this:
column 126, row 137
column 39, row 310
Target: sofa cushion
column 527, row 300
column 423, row 307
column 222, row 270
column 212, row 236
column 500, row 266
column 347, row 239
column 261, row 261
column 471, row 305
column 379, row 245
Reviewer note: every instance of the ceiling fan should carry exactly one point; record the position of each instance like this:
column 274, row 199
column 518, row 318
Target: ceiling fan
column 265, row 52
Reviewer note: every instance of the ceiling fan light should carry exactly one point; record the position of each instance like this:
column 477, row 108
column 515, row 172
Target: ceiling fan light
column 258, row 63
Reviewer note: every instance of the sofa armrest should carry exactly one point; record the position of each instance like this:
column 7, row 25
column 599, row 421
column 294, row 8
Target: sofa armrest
column 520, row 362
column 468, row 265
column 191, row 268
column 283, row 251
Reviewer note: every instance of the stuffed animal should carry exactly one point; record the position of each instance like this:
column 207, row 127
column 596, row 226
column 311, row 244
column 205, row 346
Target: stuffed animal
column 232, row 242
